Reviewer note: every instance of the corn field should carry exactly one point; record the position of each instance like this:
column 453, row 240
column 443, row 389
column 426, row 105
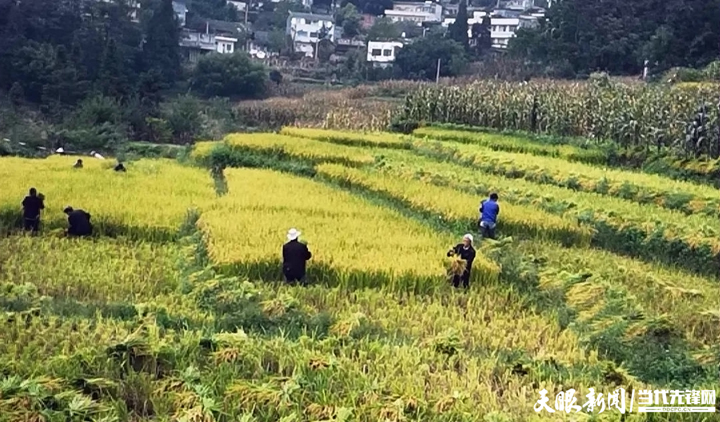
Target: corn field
column 175, row 308
column 683, row 121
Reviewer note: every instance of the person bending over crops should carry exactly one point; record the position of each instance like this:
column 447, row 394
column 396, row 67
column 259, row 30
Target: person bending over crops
column 466, row 252
column 120, row 167
column 489, row 210
column 295, row 256
column 78, row 164
column 78, row 222
column 32, row 205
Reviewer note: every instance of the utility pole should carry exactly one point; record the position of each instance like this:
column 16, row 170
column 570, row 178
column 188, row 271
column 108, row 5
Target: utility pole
column 437, row 74
column 247, row 8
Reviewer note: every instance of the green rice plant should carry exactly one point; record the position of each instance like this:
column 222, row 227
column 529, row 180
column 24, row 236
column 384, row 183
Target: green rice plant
column 498, row 142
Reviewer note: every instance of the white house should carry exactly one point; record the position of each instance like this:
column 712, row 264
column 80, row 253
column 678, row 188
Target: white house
column 213, row 36
column 502, row 29
column 382, row 53
column 478, row 17
column 238, row 5
column 305, row 29
column 415, row 12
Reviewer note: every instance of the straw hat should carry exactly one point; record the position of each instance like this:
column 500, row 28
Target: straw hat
column 293, row 234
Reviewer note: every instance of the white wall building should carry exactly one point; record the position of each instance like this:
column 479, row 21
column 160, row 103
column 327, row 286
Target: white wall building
column 225, row 45
column 477, row 18
column 415, row 12
column 501, row 29
column 305, row 30
column 195, row 44
column 238, row 5
column 382, row 53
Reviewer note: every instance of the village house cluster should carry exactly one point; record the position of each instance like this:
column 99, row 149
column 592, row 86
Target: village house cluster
column 305, row 31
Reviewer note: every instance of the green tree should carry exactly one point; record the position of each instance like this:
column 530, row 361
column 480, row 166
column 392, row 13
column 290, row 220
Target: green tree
column 184, row 118
column 384, row 30
column 419, row 60
column 617, row 36
column 229, row 75
column 161, row 49
column 325, row 49
column 372, row 7
column 276, row 76
column 458, row 30
column 277, row 40
column 481, row 36
column 348, row 19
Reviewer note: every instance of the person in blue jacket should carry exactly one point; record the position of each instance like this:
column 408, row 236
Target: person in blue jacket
column 489, row 210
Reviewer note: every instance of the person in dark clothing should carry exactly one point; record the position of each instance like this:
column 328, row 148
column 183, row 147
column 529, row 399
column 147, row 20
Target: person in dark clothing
column 78, row 164
column 78, row 222
column 120, row 167
column 466, row 252
column 489, row 210
column 32, row 205
column 295, row 256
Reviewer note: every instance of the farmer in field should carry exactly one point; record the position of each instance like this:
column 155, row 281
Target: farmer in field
column 32, row 205
column 78, row 164
column 295, row 257
column 120, row 167
column 466, row 252
column 78, row 222
column 489, row 210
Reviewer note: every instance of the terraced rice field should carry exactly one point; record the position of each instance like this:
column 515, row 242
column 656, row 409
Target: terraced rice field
column 175, row 310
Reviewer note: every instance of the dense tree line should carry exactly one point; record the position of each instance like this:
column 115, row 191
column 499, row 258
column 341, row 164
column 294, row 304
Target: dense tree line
column 97, row 73
column 58, row 52
column 617, row 36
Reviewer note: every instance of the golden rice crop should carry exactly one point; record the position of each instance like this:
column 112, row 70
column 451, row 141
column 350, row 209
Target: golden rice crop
column 458, row 206
column 689, row 300
column 147, row 197
column 307, row 149
column 639, row 229
column 490, row 318
column 344, row 233
column 65, row 269
column 364, row 139
column 634, row 186
column 107, row 329
column 201, row 150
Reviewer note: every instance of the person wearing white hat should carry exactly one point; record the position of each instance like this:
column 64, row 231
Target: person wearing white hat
column 466, row 252
column 295, row 256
